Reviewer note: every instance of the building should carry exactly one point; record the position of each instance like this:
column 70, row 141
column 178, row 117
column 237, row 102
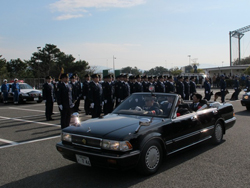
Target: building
column 228, row 70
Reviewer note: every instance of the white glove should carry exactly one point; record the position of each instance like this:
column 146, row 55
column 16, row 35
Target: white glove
column 105, row 101
column 44, row 101
column 136, row 100
column 102, row 103
column 118, row 100
column 84, row 97
column 60, row 107
column 121, row 100
column 206, row 91
column 138, row 108
column 92, row 105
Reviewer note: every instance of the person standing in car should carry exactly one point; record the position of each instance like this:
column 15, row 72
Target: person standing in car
column 48, row 98
column 16, row 90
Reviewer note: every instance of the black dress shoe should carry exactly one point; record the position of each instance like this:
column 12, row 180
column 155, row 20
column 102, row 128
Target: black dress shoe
column 51, row 119
column 79, row 110
column 53, row 113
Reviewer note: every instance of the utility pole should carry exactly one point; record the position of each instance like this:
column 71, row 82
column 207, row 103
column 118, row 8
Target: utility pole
column 114, row 65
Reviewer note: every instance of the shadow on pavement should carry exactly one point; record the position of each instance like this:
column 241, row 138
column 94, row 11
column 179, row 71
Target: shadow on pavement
column 76, row 175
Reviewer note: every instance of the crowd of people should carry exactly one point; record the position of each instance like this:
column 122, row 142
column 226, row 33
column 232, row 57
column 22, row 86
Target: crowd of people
column 5, row 88
column 102, row 96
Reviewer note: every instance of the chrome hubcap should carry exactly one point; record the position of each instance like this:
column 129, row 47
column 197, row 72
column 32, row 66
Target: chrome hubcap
column 152, row 157
column 218, row 132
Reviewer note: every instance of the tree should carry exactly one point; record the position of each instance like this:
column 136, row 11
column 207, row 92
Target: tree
column 247, row 71
column 130, row 70
column 3, row 68
column 158, row 70
column 17, row 68
column 243, row 61
column 175, row 71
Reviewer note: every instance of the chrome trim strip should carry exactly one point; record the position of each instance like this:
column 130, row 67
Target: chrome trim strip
column 190, row 145
column 85, row 136
column 168, row 142
column 230, row 120
column 85, row 146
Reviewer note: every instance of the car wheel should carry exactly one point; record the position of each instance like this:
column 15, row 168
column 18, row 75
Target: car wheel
column 151, row 158
column 248, row 108
column 218, row 133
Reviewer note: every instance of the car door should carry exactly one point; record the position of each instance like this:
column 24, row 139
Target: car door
column 207, row 118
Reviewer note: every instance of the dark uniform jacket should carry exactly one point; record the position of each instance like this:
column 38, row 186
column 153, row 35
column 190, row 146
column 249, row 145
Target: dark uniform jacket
column 138, row 87
column 180, row 89
column 187, row 89
column 223, row 85
column 192, row 87
column 75, row 91
column 108, row 91
column 48, row 92
column 236, row 84
column 95, row 93
column 160, row 87
column 170, row 87
column 63, row 95
column 207, row 87
column 85, row 88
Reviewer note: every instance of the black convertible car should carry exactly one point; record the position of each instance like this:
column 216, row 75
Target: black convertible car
column 141, row 131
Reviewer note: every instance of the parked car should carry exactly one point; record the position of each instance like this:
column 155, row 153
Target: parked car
column 134, row 135
column 27, row 93
column 245, row 101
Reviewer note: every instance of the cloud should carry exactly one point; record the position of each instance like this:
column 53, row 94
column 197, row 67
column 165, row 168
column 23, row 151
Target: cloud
column 73, row 8
column 68, row 16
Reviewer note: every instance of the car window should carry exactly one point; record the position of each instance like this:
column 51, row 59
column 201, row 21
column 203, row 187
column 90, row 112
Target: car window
column 25, row 86
column 159, row 105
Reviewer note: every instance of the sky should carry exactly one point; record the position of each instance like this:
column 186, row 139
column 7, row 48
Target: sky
column 141, row 33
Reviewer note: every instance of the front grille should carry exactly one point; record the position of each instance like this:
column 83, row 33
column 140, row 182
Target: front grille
column 86, row 141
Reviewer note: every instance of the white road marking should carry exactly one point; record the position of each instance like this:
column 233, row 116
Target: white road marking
column 8, row 141
column 28, row 121
column 28, row 142
column 29, row 110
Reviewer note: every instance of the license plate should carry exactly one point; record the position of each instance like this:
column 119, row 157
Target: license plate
column 35, row 99
column 83, row 160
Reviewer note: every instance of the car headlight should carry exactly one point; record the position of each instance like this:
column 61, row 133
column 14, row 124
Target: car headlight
column 66, row 137
column 116, row 145
column 245, row 97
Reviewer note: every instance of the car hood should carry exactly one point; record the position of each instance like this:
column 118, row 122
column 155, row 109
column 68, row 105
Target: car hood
column 111, row 126
column 29, row 90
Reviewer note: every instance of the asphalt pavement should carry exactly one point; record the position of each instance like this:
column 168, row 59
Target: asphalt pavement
column 28, row 157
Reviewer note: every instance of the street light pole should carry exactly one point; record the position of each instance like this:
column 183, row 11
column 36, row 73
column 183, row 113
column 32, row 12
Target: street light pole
column 114, row 65
column 189, row 58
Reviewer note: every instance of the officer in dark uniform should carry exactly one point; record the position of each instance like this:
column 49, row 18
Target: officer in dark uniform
column 248, row 83
column 95, row 96
column 236, row 87
column 159, row 86
column 5, row 90
column 180, row 87
column 85, row 91
column 187, row 88
column 16, row 90
column 192, row 87
column 48, row 97
column 108, row 94
column 148, row 84
column 170, row 85
column 127, row 86
column 223, row 86
column 155, row 79
column 138, row 85
column 144, row 82
column 207, row 87
column 132, row 84
column 75, row 94
column 79, row 92
column 65, row 100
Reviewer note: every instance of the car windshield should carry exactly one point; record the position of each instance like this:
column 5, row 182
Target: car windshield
column 25, row 86
column 147, row 104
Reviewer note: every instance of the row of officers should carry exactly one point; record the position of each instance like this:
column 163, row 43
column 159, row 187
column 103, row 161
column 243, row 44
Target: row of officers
column 103, row 96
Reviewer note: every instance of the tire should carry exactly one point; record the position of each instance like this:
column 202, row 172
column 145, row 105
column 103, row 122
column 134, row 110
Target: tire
column 248, row 108
column 151, row 158
column 217, row 134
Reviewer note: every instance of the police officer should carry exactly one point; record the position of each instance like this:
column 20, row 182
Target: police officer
column 5, row 90
column 180, row 87
column 192, row 87
column 186, row 88
column 207, row 87
column 127, row 86
column 108, row 94
column 65, row 100
column 79, row 92
column 85, row 91
column 95, row 96
column 223, row 86
column 16, row 90
column 138, row 85
column 236, row 87
column 170, row 85
column 75, row 92
column 132, row 84
column 48, row 97
column 159, row 86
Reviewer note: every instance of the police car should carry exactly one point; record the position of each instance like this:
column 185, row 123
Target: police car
column 27, row 93
column 245, row 101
